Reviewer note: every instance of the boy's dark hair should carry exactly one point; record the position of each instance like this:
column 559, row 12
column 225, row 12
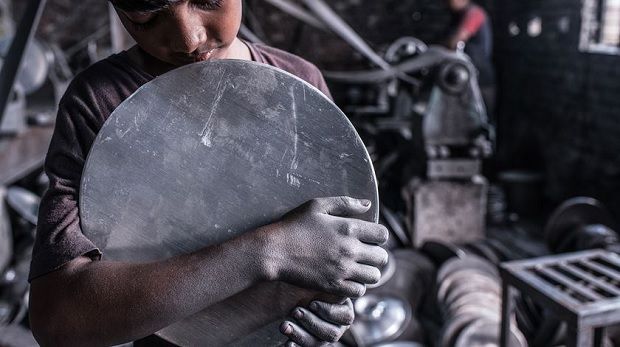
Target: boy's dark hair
column 142, row 5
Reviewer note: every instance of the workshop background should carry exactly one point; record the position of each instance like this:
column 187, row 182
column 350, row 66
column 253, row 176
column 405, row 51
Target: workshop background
column 550, row 188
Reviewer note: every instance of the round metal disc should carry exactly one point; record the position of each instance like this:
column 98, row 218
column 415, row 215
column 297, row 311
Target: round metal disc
column 207, row 152
column 485, row 333
column 453, row 327
column 469, row 262
column 465, row 281
column 400, row 344
column 572, row 214
column 34, row 68
column 413, row 275
column 457, row 293
column 380, row 318
column 25, row 203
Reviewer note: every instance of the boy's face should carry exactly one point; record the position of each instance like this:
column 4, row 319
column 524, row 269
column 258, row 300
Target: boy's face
column 187, row 31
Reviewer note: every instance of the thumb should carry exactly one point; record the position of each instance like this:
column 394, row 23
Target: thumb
column 343, row 206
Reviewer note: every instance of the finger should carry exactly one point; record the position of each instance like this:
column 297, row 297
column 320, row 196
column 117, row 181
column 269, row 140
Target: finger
column 298, row 335
column 319, row 328
column 372, row 233
column 342, row 206
column 373, row 256
column 365, row 274
column 340, row 314
column 349, row 289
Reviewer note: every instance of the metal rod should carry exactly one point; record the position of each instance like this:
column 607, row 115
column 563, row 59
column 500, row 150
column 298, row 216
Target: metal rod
column 569, row 284
column 298, row 12
column 12, row 62
column 612, row 274
column 590, row 278
column 507, row 310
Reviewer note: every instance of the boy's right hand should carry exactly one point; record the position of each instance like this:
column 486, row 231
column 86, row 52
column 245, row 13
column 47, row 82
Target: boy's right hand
column 317, row 247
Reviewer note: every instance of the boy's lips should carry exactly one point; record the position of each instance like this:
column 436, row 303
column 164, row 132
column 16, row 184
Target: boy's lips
column 203, row 55
column 196, row 56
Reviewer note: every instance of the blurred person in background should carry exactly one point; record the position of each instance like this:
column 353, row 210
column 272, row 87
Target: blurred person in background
column 470, row 30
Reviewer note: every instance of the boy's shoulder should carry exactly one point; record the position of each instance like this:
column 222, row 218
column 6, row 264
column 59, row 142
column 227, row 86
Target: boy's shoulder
column 104, row 85
column 290, row 63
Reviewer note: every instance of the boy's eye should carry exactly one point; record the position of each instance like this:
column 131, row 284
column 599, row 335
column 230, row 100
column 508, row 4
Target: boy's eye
column 140, row 18
column 208, row 4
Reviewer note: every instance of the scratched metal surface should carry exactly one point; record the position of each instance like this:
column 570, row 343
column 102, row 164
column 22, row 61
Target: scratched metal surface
column 210, row 151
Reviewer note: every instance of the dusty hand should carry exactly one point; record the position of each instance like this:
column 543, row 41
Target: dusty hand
column 323, row 323
column 317, row 247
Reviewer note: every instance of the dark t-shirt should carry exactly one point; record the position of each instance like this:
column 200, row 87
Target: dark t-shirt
column 92, row 96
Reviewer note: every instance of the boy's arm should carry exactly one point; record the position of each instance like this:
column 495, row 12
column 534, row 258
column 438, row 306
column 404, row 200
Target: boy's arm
column 89, row 302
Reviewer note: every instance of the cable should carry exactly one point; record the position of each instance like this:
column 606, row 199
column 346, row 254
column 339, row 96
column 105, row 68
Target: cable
column 432, row 57
column 299, row 13
column 249, row 34
column 340, row 27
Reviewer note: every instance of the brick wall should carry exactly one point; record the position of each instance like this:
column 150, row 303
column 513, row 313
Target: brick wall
column 559, row 108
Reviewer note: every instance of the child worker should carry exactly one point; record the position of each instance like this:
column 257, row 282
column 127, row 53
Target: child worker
column 77, row 299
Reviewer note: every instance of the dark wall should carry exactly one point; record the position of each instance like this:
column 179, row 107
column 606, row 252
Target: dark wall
column 378, row 22
column 559, row 108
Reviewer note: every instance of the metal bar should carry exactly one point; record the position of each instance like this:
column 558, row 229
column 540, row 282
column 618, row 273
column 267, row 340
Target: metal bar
column 539, row 290
column 12, row 61
column 560, row 278
column 601, row 313
column 507, row 309
column 612, row 274
column 591, row 279
column 554, row 259
column 599, row 337
column 579, row 336
column 611, row 258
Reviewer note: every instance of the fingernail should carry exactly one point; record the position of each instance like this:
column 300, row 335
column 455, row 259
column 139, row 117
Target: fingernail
column 298, row 314
column 366, row 202
column 314, row 305
column 286, row 329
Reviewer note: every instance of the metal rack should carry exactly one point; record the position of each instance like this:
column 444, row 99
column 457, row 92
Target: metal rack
column 581, row 288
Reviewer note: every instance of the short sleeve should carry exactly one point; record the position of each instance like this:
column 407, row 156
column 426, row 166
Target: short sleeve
column 474, row 19
column 59, row 238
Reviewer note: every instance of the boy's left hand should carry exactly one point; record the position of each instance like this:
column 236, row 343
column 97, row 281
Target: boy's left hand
column 320, row 325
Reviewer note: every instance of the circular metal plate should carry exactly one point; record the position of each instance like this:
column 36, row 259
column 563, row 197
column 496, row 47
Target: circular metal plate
column 207, row 152
column 572, row 214
column 487, row 333
column 25, row 203
column 469, row 262
column 453, row 327
column 380, row 318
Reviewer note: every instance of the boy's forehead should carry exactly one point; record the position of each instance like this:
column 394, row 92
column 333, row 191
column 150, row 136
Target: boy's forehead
column 143, row 5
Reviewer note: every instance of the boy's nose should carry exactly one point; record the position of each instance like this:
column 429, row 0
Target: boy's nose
column 190, row 33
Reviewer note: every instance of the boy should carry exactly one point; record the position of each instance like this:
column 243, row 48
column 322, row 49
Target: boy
column 78, row 299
